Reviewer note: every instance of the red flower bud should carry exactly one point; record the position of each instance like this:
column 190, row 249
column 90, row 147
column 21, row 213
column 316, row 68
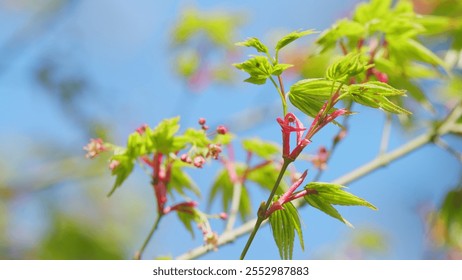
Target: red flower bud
column 199, row 161
column 221, row 129
column 201, row 121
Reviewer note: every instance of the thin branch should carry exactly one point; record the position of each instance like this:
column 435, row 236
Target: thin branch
column 445, row 146
column 235, row 202
column 443, row 128
column 386, row 133
column 264, row 208
column 139, row 254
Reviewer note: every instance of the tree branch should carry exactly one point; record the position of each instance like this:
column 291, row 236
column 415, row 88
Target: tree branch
column 445, row 126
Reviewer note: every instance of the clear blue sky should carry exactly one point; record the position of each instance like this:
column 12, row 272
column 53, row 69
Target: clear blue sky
column 123, row 48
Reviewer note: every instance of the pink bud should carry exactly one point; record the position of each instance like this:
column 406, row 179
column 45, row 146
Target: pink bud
column 113, row 164
column 94, row 148
column 142, row 129
column 214, row 151
column 221, row 129
column 223, row 216
column 199, row 161
column 205, row 127
column 183, row 157
column 201, row 121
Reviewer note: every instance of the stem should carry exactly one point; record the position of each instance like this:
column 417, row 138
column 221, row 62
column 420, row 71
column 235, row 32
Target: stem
column 261, row 218
column 281, row 94
column 139, row 254
column 385, row 135
column 334, row 144
column 446, row 126
column 236, row 200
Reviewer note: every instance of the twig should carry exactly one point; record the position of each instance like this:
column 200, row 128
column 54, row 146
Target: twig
column 445, row 146
column 385, row 135
column 235, row 202
column 139, row 254
column 443, row 128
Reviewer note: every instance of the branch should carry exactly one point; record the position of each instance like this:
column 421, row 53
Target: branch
column 444, row 127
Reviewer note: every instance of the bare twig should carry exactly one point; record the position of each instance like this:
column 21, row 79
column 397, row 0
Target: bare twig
column 385, row 135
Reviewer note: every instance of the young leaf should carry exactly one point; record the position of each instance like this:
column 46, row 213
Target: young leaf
column 265, row 177
column 122, row 171
column 224, row 186
column 196, row 137
column 261, row 148
column 348, row 66
column 375, row 9
column 307, row 104
column 279, row 68
column 258, row 67
column 320, row 89
column 289, row 38
column 284, row 224
column 342, row 28
column 181, row 181
column 334, row 194
column 255, row 43
column 328, row 194
column 325, row 207
column 374, row 95
column 187, row 218
column 162, row 136
column 410, row 49
column 374, row 88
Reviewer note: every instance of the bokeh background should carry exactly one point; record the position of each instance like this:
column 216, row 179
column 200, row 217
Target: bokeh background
column 71, row 70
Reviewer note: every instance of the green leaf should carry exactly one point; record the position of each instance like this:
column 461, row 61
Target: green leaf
column 320, row 89
column 284, row 224
column 245, row 204
column 265, row 177
column 342, row 28
column 391, row 107
column 224, row 187
column 258, row 67
column 334, row 194
column 307, row 104
column 255, row 43
column 325, row 207
column 328, row 194
column 187, row 218
column 375, row 9
column 122, row 171
column 261, row 148
column 279, row 68
column 374, row 95
column 410, row 49
column 375, row 88
column 437, row 24
column 181, row 181
column 196, row 137
column 289, row 38
column 162, row 136
column 187, row 63
column 223, row 139
column 348, row 66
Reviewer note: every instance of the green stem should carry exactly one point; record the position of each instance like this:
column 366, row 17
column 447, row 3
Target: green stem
column 281, row 94
column 148, row 238
column 261, row 217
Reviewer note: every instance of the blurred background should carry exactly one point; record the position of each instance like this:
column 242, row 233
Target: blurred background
column 71, row 70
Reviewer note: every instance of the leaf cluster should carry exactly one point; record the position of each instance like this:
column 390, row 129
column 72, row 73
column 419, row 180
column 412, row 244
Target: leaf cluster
column 262, row 67
column 392, row 33
column 163, row 139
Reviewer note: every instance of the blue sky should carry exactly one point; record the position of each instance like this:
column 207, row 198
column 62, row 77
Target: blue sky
column 123, row 48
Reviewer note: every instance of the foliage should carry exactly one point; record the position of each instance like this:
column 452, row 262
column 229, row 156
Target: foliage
column 382, row 58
